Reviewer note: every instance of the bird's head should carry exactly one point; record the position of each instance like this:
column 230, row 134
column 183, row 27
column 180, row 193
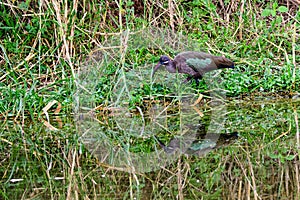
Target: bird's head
column 164, row 60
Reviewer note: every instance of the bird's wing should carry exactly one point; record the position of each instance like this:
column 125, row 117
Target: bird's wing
column 201, row 65
column 186, row 69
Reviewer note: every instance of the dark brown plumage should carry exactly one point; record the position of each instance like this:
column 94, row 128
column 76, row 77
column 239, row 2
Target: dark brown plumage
column 195, row 64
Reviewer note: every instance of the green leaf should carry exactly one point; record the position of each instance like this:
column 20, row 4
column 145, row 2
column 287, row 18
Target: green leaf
column 266, row 12
column 290, row 157
column 283, row 9
column 273, row 12
column 23, row 5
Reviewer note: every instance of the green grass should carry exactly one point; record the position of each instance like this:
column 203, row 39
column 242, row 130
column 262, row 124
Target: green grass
column 41, row 52
column 46, row 47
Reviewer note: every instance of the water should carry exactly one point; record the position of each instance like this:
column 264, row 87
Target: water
column 165, row 150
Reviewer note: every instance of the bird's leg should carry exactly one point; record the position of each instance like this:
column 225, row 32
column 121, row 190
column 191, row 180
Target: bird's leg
column 197, row 81
column 197, row 78
column 190, row 78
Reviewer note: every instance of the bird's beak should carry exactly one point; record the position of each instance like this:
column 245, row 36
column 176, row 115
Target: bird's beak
column 156, row 68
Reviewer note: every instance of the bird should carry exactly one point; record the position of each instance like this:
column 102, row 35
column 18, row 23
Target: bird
column 193, row 63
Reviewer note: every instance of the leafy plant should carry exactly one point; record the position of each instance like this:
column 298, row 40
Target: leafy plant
column 273, row 10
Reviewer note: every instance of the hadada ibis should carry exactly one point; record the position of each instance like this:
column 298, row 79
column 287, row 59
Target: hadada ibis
column 195, row 64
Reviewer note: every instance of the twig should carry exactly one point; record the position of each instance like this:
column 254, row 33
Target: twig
column 179, row 180
column 294, row 55
column 297, row 128
column 241, row 20
column 143, row 119
column 171, row 12
column 71, row 174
